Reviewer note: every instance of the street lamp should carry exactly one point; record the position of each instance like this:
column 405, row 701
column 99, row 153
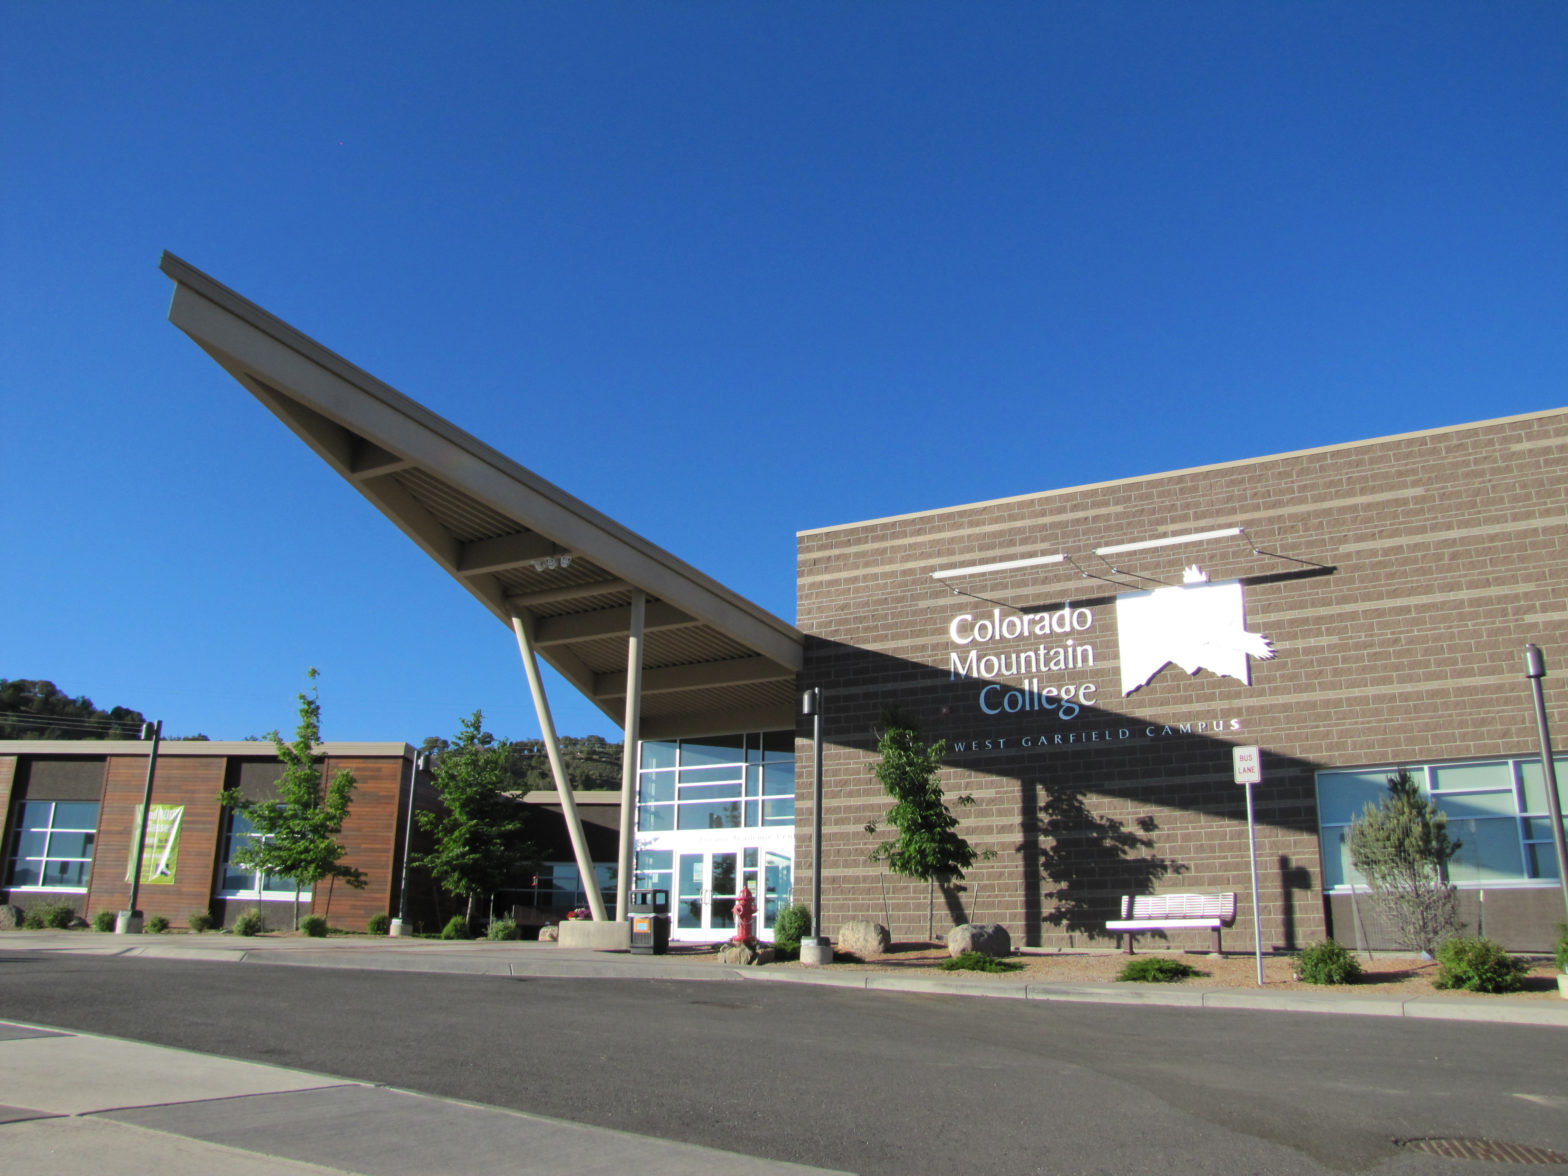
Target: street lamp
column 817, row 949
column 1535, row 670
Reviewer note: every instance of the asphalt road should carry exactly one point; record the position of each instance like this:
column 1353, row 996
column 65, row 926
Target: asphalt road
column 870, row 1082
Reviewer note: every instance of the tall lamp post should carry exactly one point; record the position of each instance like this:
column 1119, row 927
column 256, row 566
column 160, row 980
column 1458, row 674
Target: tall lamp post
column 1535, row 670
column 817, row 949
column 129, row 921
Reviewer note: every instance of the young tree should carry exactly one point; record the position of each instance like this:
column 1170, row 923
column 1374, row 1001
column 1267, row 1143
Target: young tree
column 480, row 836
column 928, row 847
column 295, row 836
column 1402, row 848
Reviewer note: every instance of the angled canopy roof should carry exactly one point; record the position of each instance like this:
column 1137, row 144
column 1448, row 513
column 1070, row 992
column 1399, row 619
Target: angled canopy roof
column 713, row 661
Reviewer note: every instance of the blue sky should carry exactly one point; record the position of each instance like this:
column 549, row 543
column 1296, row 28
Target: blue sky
column 724, row 271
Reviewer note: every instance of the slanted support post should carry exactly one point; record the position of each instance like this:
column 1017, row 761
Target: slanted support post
column 623, row 872
column 522, row 625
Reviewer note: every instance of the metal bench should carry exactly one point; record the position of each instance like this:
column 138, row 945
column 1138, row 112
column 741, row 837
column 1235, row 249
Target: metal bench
column 1170, row 912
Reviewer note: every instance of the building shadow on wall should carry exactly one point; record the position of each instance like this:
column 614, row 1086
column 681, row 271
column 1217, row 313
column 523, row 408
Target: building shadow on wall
column 1080, row 841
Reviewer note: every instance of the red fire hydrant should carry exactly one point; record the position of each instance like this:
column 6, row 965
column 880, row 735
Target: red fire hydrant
column 745, row 910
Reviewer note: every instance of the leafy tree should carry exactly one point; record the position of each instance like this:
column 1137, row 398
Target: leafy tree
column 1402, row 848
column 35, row 709
column 296, row 835
column 481, row 832
column 928, row 847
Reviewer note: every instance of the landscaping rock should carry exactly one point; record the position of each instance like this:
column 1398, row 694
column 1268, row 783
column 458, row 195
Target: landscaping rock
column 548, row 934
column 10, row 917
column 863, row 938
column 745, row 954
column 989, row 939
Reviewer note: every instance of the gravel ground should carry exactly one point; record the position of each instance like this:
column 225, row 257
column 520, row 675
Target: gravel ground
column 1394, row 975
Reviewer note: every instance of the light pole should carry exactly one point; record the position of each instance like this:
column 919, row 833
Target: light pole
column 817, row 949
column 1535, row 670
column 129, row 922
column 421, row 762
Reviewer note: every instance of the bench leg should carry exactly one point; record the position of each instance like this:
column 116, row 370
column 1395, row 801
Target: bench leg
column 1217, row 950
column 1127, row 938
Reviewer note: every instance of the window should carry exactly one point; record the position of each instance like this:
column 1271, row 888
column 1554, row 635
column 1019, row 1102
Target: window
column 239, row 882
column 52, row 846
column 718, row 782
column 1496, row 810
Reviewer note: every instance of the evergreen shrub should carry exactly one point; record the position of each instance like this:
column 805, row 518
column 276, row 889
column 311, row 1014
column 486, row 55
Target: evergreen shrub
column 157, row 925
column 250, row 923
column 503, row 929
column 1156, row 970
column 1560, row 952
column 978, row 961
column 1477, row 965
column 791, row 925
column 1328, row 963
column 199, row 921
column 314, row 926
column 379, row 924
column 104, row 921
column 456, row 928
column 58, row 915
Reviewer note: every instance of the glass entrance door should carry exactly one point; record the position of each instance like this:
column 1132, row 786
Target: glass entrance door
column 706, row 885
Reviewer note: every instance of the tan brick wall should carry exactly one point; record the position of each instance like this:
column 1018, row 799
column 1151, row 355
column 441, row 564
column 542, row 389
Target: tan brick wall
column 1448, row 553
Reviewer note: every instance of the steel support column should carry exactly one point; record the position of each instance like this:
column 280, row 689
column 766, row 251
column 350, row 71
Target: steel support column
column 623, row 873
column 523, row 627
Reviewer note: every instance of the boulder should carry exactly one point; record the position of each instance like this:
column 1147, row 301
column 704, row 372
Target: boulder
column 863, row 938
column 745, row 954
column 989, row 939
column 548, row 934
column 10, row 917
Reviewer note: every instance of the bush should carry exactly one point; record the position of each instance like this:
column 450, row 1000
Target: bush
column 978, row 961
column 791, row 925
column 314, row 926
column 1477, row 965
column 250, row 923
column 1156, row 970
column 456, row 928
column 1328, row 963
column 199, row 921
column 58, row 915
column 104, row 921
column 1560, row 952
column 379, row 925
column 503, row 929
column 157, row 925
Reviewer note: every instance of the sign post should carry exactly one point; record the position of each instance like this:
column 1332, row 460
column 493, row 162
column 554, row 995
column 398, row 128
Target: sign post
column 1247, row 763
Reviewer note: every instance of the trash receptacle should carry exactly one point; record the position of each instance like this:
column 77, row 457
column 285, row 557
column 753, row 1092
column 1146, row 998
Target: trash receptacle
column 650, row 916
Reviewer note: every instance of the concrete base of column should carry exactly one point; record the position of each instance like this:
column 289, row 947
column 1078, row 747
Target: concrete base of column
column 816, row 952
column 399, row 928
column 594, row 935
column 128, row 923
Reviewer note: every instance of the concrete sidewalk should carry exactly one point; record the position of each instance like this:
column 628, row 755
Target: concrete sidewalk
column 72, row 1104
column 547, row 961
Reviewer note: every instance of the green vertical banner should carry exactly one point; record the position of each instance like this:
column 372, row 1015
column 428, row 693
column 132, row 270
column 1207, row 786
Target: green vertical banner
column 160, row 844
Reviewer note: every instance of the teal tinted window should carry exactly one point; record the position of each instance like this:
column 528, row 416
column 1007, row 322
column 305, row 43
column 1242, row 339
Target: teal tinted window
column 1534, row 781
column 1448, row 777
column 658, row 755
column 1342, row 796
column 1488, row 851
column 720, row 749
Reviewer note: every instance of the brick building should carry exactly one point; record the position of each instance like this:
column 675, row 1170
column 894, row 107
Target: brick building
column 1359, row 608
column 1090, row 656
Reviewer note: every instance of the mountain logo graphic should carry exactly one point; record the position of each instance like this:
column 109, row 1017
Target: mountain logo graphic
column 1195, row 625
